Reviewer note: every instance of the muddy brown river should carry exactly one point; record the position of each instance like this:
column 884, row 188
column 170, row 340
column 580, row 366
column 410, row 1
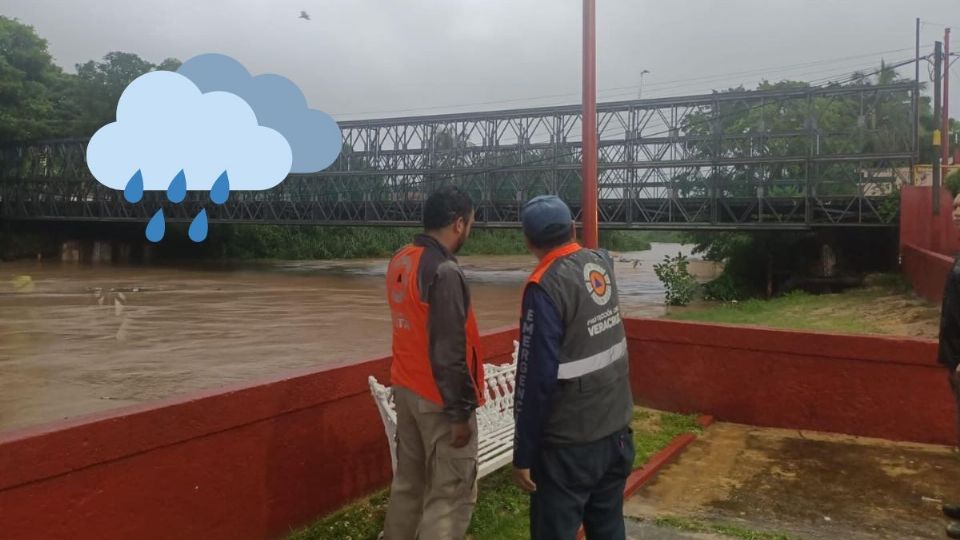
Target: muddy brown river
column 79, row 339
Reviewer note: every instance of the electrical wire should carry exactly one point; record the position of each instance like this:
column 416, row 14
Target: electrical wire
column 656, row 85
column 573, row 152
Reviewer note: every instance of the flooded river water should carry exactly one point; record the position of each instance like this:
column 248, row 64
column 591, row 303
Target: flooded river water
column 79, row 339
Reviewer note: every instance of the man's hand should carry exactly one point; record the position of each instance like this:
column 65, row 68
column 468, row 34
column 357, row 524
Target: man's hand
column 460, row 435
column 521, row 477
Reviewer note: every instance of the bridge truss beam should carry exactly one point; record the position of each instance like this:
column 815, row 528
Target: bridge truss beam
column 783, row 159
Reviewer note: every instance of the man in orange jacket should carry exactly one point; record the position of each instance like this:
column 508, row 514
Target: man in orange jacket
column 437, row 378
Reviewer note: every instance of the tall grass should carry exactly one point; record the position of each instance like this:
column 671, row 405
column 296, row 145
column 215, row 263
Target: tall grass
column 313, row 242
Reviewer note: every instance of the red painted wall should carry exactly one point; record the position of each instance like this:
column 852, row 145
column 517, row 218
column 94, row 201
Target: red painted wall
column 928, row 243
column 920, row 228
column 915, row 216
column 926, row 270
column 253, row 461
column 247, row 462
column 861, row 385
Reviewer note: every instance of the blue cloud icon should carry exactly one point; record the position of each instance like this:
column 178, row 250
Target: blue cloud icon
column 213, row 127
column 165, row 125
column 313, row 135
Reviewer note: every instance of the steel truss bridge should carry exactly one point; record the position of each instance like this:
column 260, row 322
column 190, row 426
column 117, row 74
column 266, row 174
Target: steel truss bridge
column 781, row 159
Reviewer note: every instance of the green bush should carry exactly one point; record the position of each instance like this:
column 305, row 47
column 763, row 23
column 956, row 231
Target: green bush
column 676, row 278
column 624, row 241
column 725, row 288
column 952, row 182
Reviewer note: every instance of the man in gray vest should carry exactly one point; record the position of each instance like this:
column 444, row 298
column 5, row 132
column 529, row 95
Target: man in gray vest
column 573, row 447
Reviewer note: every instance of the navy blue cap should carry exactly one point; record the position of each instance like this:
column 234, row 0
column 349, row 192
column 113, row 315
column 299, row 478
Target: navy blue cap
column 546, row 218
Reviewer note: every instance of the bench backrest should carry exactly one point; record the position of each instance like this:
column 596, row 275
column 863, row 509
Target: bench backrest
column 495, row 415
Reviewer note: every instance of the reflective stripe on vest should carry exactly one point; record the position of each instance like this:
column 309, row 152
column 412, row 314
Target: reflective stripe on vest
column 593, row 398
column 584, row 366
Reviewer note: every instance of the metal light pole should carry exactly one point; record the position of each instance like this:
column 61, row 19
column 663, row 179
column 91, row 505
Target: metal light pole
column 640, row 92
column 945, row 110
column 937, row 134
column 589, row 126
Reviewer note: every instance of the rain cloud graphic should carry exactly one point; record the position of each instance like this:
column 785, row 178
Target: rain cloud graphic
column 278, row 103
column 209, row 127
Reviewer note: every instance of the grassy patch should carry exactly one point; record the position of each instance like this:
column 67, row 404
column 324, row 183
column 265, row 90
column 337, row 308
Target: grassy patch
column 886, row 305
column 733, row 531
column 362, row 520
column 653, row 431
column 246, row 241
column 844, row 312
column 502, row 511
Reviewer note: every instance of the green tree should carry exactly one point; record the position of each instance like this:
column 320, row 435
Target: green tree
column 170, row 64
column 38, row 100
column 100, row 84
column 31, row 85
column 841, row 124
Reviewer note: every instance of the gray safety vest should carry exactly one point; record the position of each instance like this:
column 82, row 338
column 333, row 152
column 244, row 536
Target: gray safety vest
column 593, row 399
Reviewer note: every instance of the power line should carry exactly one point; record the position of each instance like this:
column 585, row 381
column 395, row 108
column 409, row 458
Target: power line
column 932, row 23
column 657, row 85
column 851, row 75
column 571, row 153
column 789, row 67
column 849, row 70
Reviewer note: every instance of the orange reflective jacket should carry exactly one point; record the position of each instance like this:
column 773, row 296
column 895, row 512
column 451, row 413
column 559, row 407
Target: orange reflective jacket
column 411, row 366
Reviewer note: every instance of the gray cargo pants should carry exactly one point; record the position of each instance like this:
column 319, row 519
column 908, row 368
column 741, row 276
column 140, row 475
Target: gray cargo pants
column 434, row 488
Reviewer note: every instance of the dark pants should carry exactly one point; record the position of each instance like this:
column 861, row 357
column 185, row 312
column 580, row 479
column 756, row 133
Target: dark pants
column 955, row 389
column 581, row 484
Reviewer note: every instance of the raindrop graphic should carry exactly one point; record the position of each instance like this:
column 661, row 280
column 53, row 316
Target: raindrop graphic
column 221, row 189
column 178, row 188
column 198, row 229
column 134, row 190
column 156, row 227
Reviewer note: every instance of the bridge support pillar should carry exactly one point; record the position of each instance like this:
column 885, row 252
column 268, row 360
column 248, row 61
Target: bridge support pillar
column 122, row 252
column 101, row 252
column 91, row 251
column 70, row 251
column 149, row 252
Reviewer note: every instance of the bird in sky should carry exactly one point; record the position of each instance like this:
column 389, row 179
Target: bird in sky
column 304, row 15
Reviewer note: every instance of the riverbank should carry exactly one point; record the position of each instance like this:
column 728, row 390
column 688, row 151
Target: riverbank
column 884, row 306
column 283, row 242
column 245, row 242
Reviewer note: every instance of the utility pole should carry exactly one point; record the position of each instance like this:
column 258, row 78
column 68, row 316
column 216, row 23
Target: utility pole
column 937, row 136
column 589, row 125
column 916, row 97
column 945, row 132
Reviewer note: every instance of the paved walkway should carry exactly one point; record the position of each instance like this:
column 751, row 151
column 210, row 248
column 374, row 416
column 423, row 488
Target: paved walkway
column 805, row 484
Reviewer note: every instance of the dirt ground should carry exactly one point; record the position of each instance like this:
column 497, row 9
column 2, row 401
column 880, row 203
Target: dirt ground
column 807, row 485
column 877, row 310
column 894, row 314
column 638, row 530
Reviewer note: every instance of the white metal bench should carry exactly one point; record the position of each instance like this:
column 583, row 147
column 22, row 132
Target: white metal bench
column 494, row 419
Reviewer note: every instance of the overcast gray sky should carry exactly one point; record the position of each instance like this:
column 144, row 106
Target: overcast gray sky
column 370, row 58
